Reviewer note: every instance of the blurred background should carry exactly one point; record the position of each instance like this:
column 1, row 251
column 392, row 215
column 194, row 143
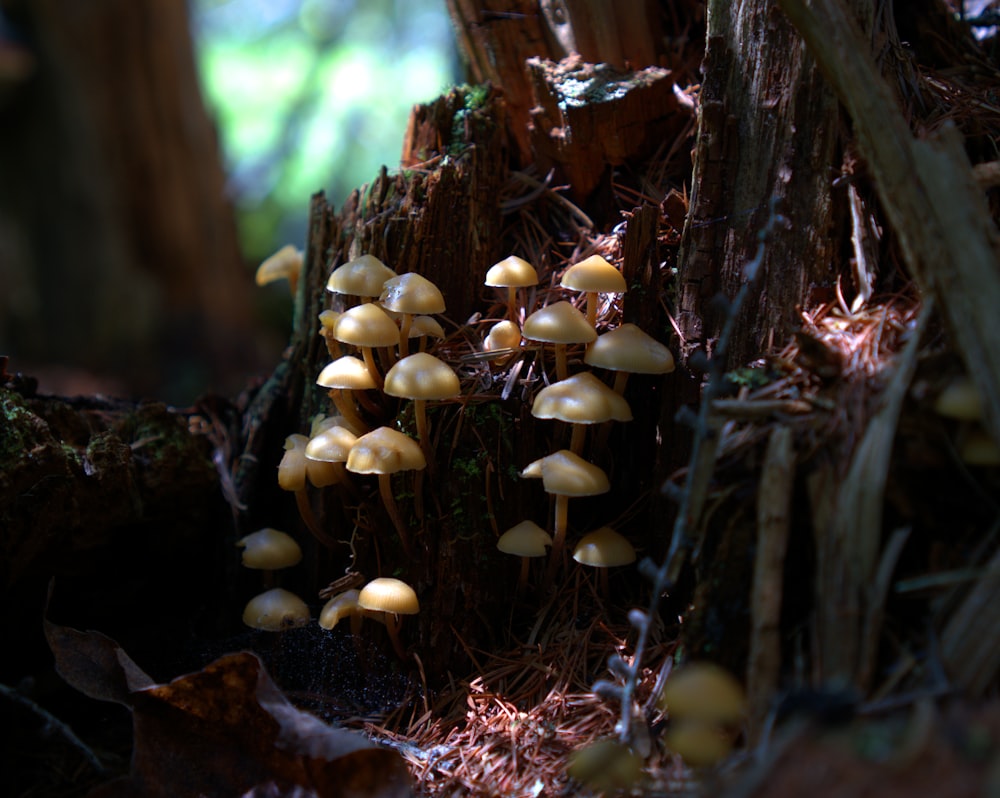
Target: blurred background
column 153, row 153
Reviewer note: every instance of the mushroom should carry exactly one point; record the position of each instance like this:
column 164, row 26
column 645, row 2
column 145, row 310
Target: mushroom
column 345, row 605
column 565, row 475
column 628, row 350
column 593, row 276
column 367, row 327
column 384, row 451
column 275, row 611
column 362, row 277
column 331, row 446
column 292, row 477
column 424, row 327
column 326, row 321
column 421, row 377
column 525, row 540
column 580, row 400
column 269, row 549
column 960, row 399
column 343, row 375
column 285, row 264
column 503, row 338
column 412, row 295
column 705, row 705
column 605, row 766
column 393, row 597
column 602, row 549
column 560, row 324
column 512, row 273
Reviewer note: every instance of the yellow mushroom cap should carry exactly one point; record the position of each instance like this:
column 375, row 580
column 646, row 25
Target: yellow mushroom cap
column 269, row 549
column 366, row 325
column 385, row 451
column 412, row 293
column 526, row 539
column 292, row 468
column 567, row 474
column 327, row 319
column 347, row 372
column 559, row 323
column 331, row 445
column 502, row 335
column 703, row 692
column 594, row 274
column 422, row 376
column 698, row 743
column 628, row 348
column 426, row 326
column 512, row 272
column 363, row 276
column 960, row 399
column 285, row 264
column 605, row 765
column 339, row 607
column 581, row 399
column 386, row 594
column 275, row 611
column 604, row 548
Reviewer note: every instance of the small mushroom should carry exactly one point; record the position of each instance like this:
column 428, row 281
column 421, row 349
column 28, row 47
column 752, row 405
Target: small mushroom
column 269, row 549
column 393, row 597
column 383, row 452
column 628, row 350
column 593, row 276
column 292, row 477
column 580, row 401
column 285, row 264
column 525, row 540
column 412, row 295
column 276, row 610
column 341, row 378
column 367, row 327
column 559, row 324
column 602, row 549
column 504, row 338
column 512, row 273
column 422, row 377
column 362, row 277
column 565, row 475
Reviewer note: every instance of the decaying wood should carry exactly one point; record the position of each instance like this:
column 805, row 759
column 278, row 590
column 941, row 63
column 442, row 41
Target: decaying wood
column 768, row 127
column 928, row 191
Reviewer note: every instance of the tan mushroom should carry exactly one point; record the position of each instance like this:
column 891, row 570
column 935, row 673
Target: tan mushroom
column 580, row 401
column 628, row 350
column 593, row 276
column 292, row 472
column 412, row 295
column 602, row 549
column 512, row 273
column 367, row 327
column 275, row 611
column 384, row 452
column 285, row 264
column 341, row 378
column 525, row 540
column 559, row 324
column 362, row 277
column 422, row 377
column 565, row 475
column 393, row 597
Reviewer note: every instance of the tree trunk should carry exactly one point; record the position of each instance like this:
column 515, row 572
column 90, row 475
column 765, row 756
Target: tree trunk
column 112, row 169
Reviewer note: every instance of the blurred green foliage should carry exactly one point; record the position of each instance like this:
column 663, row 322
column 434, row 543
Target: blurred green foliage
column 314, row 94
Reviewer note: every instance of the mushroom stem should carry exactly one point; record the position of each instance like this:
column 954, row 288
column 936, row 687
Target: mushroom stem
column 522, row 581
column 621, row 380
column 577, row 438
column 367, row 354
column 385, row 488
column 512, row 304
column 592, row 308
column 309, row 519
column 344, row 403
column 420, row 412
column 404, row 335
column 392, row 626
column 558, row 537
column 562, row 369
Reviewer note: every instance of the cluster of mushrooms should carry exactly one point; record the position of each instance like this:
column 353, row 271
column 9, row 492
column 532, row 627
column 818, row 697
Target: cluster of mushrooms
column 385, row 316
column 581, row 400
